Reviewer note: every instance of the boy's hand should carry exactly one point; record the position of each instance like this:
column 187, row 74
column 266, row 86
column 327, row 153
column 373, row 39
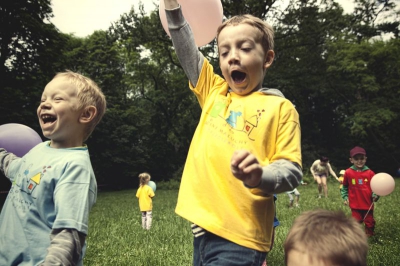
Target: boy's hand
column 245, row 166
column 170, row 4
column 346, row 202
column 375, row 198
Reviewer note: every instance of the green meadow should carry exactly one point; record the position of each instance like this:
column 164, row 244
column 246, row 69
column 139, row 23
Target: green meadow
column 116, row 237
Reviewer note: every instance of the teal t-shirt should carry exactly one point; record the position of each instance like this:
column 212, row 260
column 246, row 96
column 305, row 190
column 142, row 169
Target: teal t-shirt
column 51, row 189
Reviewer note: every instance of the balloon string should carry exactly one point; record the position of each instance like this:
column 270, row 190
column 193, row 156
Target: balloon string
column 368, row 210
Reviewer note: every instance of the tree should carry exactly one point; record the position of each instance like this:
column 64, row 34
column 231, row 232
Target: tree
column 23, row 32
column 310, row 40
column 373, row 18
column 255, row 7
column 162, row 109
column 29, row 49
column 365, row 77
column 299, row 71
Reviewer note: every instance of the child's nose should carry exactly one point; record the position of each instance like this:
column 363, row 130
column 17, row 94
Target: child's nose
column 233, row 57
column 44, row 105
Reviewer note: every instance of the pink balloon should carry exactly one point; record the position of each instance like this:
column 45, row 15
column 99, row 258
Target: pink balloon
column 382, row 184
column 203, row 16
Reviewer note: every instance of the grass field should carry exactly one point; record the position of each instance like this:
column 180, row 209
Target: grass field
column 116, row 237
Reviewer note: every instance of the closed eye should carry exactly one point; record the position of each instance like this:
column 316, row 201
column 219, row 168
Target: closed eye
column 223, row 54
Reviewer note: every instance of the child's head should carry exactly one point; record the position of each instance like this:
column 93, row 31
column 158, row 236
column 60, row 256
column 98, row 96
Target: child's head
column 245, row 45
column 358, row 157
column 144, row 178
column 71, row 107
column 342, row 172
column 322, row 237
column 324, row 160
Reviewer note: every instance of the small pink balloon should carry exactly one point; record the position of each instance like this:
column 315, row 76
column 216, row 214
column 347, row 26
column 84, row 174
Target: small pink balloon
column 382, row 184
column 203, row 16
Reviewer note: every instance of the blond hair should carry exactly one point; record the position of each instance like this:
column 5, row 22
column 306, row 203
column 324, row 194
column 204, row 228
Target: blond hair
column 339, row 239
column 144, row 178
column 266, row 30
column 89, row 94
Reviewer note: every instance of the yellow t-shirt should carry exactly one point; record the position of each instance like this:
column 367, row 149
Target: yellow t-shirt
column 341, row 181
column 210, row 196
column 145, row 193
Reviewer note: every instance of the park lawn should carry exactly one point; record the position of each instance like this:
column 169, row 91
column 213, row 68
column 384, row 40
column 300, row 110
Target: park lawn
column 116, row 237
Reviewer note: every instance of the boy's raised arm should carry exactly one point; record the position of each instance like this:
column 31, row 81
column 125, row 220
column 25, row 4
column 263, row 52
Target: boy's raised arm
column 183, row 40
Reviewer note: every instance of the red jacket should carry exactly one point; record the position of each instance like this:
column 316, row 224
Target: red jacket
column 358, row 187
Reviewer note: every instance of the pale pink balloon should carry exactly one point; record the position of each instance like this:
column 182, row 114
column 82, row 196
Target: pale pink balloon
column 382, row 184
column 203, row 16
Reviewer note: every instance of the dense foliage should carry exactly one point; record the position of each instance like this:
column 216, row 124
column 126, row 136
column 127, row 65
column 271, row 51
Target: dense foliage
column 340, row 70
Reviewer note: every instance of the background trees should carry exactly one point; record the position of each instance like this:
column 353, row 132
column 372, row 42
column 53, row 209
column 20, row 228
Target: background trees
column 338, row 70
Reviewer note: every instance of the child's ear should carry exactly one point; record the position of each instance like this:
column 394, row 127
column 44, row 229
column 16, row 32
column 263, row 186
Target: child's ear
column 88, row 114
column 269, row 59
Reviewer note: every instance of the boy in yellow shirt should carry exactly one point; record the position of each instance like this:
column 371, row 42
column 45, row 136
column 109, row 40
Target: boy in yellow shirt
column 246, row 146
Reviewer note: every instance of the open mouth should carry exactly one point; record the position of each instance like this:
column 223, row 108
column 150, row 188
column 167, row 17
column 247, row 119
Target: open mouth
column 48, row 119
column 237, row 76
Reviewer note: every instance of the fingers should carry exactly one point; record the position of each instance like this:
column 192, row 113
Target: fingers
column 243, row 162
column 246, row 167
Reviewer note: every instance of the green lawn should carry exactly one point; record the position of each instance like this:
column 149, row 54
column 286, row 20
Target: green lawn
column 116, row 237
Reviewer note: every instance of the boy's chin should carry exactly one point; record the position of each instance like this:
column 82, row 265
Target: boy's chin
column 46, row 135
column 241, row 91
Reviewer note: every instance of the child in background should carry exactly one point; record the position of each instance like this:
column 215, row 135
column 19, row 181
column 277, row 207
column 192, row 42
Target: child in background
column 320, row 170
column 291, row 199
column 356, row 190
column 341, row 177
column 145, row 194
column 339, row 239
column 246, row 146
column 45, row 217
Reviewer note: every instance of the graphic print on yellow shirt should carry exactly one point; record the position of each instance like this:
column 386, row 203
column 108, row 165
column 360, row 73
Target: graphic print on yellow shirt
column 236, row 119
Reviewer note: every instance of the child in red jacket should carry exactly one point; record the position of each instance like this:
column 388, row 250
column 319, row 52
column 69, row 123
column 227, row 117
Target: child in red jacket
column 356, row 191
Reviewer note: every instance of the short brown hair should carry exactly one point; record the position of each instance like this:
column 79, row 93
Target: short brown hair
column 266, row 30
column 89, row 94
column 339, row 239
